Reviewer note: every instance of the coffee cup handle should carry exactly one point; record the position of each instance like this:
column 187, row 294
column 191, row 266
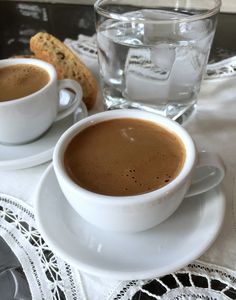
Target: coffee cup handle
column 65, row 110
column 208, row 173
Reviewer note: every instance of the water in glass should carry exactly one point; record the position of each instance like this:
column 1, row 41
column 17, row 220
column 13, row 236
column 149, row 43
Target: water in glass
column 153, row 66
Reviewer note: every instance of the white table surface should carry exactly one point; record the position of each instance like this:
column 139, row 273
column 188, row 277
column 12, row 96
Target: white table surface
column 213, row 128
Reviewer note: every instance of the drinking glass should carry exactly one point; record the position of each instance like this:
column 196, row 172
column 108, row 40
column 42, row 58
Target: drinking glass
column 153, row 53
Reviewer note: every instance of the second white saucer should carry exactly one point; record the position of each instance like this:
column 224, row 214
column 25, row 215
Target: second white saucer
column 163, row 249
column 37, row 152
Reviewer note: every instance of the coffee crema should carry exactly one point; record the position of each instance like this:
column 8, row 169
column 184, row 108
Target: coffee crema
column 123, row 157
column 20, row 80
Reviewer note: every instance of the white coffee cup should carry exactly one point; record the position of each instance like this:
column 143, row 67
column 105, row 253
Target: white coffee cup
column 138, row 212
column 25, row 119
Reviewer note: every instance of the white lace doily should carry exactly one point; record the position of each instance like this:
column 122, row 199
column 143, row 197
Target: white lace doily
column 51, row 278
column 48, row 276
column 195, row 282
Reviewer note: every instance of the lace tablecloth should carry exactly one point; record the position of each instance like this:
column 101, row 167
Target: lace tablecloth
column 213, row 276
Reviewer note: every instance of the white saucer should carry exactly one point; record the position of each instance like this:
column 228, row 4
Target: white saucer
column 156, row 252
column 36, row 152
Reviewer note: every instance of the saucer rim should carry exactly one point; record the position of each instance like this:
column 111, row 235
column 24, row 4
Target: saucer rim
column 35, row 159
column 127, row 275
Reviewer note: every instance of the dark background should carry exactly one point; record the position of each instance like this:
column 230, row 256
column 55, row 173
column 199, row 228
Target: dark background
column 21, row 20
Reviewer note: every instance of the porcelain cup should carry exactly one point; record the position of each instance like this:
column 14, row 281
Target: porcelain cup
column 200, row 172
column 25, row 119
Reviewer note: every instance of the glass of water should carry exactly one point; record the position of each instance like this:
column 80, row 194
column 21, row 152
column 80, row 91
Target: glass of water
column 153, row 53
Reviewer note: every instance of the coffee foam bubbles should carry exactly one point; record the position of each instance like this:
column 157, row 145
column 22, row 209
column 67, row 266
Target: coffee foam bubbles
column 130, row 174
column 20, row 80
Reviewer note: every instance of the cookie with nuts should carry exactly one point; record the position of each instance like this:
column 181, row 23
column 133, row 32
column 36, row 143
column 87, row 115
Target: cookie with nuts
column 48, row 48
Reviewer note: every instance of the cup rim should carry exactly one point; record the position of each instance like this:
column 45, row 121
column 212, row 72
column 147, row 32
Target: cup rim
column 189, row 164
column 120, row 17
column 30, row 61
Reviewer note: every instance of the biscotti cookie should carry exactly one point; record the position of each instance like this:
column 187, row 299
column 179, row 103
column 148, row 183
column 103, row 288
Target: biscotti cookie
column 48, row 48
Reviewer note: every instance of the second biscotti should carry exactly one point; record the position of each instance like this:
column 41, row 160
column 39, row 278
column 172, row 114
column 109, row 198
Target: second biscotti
column 48, row 48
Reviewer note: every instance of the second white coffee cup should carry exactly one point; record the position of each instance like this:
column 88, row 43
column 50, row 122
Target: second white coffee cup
column 25, row 119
